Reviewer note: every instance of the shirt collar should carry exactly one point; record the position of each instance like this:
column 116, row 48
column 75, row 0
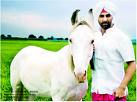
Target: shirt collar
column 110, row 29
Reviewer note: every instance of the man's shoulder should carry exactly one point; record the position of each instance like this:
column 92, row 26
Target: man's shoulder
column 121, row 34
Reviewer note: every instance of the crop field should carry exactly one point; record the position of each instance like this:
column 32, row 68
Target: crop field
column 9, row 49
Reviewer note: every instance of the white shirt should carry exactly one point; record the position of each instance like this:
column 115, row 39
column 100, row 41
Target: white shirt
column 111, row 51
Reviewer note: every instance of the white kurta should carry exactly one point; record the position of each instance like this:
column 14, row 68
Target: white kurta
column 111, row 51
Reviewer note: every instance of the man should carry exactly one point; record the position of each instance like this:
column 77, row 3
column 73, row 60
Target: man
column 112, row 49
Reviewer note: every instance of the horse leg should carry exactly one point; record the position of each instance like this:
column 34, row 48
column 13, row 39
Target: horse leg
column 18, row 92
column 31, row 97
column 56, row 98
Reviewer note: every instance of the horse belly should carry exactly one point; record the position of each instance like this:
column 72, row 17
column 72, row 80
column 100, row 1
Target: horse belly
column 35, row 81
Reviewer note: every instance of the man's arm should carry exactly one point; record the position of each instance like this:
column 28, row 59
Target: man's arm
column 120, row 91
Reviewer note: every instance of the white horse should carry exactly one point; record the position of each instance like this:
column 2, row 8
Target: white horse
column 60, row 75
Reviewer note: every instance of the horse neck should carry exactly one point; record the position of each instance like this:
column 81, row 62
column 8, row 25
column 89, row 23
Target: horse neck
column 66, row 57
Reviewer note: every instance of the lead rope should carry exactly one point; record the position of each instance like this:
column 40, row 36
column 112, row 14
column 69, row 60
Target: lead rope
column 92, row 59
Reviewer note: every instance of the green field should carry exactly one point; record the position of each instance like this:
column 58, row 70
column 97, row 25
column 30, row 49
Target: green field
column 9, row 49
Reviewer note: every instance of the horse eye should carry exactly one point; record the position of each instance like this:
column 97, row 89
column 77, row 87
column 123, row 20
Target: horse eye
column 70, row 40
column 92, row 41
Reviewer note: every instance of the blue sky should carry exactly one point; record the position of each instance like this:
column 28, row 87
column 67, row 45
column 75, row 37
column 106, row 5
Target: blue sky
column 52, row 17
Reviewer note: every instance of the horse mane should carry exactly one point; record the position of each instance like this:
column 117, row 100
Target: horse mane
column 83, row 22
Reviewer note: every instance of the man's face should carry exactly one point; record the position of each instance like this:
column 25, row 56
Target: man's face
column 105, row 20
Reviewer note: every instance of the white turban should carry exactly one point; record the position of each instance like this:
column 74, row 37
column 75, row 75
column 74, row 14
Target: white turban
column 103, row 4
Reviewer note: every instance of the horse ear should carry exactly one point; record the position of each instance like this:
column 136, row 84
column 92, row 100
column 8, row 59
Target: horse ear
column 91, row 19
column 91, row 10
column 74, row 17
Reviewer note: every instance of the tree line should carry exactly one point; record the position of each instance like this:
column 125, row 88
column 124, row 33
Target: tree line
column 31, row 37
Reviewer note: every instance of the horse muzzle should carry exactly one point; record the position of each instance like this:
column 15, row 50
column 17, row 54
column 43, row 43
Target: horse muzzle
column 81, row 77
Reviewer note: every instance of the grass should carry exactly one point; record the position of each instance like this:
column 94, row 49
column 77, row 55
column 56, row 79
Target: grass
column 9, row 49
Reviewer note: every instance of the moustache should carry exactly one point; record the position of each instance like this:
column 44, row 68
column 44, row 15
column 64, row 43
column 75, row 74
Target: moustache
column 104, row 23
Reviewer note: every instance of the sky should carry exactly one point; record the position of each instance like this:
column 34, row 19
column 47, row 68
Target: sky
column 20, row 18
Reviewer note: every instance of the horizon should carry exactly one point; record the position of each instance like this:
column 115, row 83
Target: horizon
column 46, row 36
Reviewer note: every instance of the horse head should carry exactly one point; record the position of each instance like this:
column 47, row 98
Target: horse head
column 81, row 42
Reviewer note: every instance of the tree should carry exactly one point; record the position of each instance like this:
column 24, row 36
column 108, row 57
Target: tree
column 66, row 38
column 9, row 36
column 3, row 36
column 52, row 38
column 40, row 37
column 31, row 36
column 59, row 38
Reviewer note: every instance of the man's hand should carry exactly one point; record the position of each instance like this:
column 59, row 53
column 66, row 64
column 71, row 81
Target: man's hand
column 119, row 92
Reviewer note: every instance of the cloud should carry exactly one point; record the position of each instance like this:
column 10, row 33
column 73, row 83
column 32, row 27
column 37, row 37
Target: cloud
column 34, row 22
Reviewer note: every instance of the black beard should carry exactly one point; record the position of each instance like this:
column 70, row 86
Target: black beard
column 105, row 25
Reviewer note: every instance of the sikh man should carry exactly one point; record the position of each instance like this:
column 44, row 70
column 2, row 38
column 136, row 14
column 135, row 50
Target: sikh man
column 113, row 48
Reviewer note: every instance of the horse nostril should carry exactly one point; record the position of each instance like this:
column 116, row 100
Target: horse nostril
column 80, row 77
column 74, row 74
column 85, row 73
